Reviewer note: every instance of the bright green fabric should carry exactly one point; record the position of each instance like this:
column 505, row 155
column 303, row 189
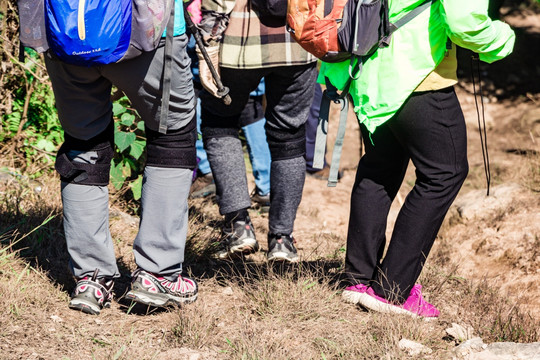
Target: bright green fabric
column 392, row 73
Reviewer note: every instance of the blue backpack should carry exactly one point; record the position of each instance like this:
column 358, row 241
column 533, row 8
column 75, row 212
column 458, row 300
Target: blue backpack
column 93, row 32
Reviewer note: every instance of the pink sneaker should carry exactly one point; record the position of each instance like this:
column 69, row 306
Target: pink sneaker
column 415, row 305
column 352, row 294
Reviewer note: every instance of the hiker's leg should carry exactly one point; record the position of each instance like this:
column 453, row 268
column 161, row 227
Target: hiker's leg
column 84, row 169
column 289, row 92
column 85, row 112
column 220, row 127
column 378, row 178
column 160, row 244
column 258, row 151
column 431, row 127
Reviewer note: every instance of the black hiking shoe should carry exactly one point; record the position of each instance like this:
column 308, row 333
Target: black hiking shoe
column 92, row 294
column 153, row 290
column 237, row 240
column 281, row 248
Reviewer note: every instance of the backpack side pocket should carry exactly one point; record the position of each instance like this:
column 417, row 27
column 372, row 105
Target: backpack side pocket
column 32, row 32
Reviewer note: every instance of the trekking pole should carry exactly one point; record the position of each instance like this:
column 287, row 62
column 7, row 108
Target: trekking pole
column 223, row 91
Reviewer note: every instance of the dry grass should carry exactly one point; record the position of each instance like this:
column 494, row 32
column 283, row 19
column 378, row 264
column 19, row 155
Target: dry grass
column 246, row 310
column 250, row 310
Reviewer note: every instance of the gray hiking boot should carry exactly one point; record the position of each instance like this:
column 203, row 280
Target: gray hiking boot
column 237, row 240
column 281, row 248
column 149, row 289
column 260, row 202
column 92, row 294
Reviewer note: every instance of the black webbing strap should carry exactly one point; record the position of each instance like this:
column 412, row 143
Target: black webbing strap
column 167, row 72
column 411, row 15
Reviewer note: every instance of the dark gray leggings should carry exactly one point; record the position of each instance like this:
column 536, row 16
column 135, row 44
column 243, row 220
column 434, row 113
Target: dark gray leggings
column 289, row 92
column 429, row 130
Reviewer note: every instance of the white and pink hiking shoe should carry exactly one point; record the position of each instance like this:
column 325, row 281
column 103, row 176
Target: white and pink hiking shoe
column 92, row 294
column 415, row 305
column 153, row 290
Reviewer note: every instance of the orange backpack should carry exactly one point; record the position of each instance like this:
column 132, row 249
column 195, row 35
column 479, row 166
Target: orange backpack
column 332, row 30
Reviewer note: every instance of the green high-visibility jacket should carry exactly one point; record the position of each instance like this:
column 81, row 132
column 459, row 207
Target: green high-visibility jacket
column 393, row 73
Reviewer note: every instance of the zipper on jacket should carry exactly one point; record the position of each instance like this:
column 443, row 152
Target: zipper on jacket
column 80, row 20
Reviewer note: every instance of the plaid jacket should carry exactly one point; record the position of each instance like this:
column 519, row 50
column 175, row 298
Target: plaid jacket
column 249, row 44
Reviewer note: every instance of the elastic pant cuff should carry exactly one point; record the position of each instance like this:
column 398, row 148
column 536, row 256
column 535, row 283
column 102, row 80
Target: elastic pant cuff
column 215, row 132
column 286, row 144
column 175, row 149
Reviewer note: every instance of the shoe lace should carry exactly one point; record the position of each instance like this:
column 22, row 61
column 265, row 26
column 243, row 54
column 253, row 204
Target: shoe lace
column 417, row 292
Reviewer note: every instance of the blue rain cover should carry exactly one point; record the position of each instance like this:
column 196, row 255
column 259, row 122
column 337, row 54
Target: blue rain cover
column 98, row 33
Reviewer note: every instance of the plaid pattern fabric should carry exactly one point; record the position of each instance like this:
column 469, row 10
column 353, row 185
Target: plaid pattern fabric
column 249, row 44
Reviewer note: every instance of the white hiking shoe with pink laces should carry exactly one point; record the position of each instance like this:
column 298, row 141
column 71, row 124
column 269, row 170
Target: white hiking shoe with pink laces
column 149, row 289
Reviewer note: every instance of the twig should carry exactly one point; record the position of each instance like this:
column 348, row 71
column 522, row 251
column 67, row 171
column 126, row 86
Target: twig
column 24, row 117
column 42, row 151
column 17, row 62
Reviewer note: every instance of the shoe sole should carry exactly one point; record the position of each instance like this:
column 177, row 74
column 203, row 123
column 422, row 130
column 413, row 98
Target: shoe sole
column 84, row 306
column 371, row 303
column 158, row 300
column 352, row 297
column 282, row 256
column 247, row 247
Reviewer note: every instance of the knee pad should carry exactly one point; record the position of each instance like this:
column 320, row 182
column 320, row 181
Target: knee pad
column 286, row 143
column 86, row 162
column 175, row 149
column 215, row 132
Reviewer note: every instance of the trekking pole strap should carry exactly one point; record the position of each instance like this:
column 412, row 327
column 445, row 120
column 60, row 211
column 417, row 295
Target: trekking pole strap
column 167, row 72
column 338, row 145
column 322, row 132
column 222, row 91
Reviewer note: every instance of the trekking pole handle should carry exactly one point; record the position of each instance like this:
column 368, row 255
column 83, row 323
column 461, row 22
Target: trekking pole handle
column 223, row 91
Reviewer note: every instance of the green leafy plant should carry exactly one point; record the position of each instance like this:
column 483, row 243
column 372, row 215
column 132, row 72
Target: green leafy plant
column 127, row 165
column 32, row 124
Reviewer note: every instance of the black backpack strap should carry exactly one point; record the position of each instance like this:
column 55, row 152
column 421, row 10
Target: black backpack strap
column 167, row 72
column 385, row 41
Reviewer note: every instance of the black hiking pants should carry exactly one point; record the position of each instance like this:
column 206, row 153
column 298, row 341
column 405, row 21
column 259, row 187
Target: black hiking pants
column 429, row 130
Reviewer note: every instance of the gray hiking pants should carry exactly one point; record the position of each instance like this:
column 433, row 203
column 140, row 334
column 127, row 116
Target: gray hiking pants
column 85, row 111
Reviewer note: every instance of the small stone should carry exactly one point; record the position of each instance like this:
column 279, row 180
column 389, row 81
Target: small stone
column 56, row 318
column 228, row 291
column 459, row 332
column 413, row 348
column 470, row 346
